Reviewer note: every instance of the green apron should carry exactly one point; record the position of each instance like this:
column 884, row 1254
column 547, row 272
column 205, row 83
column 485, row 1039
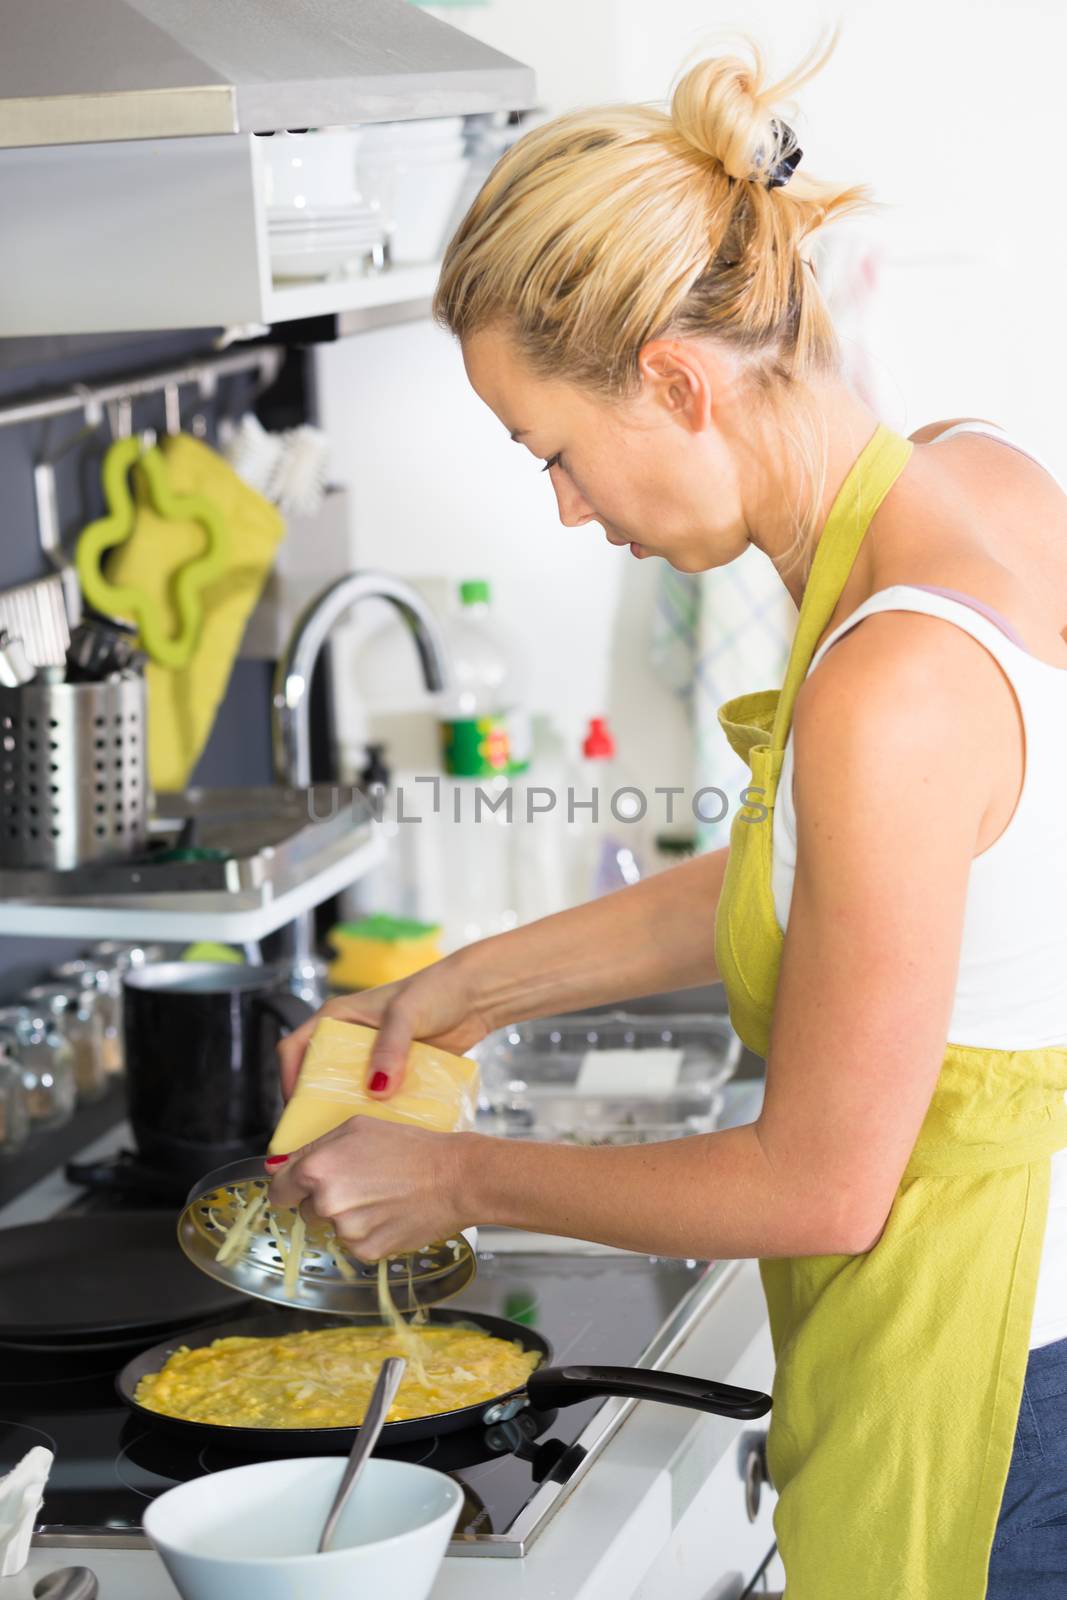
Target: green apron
column 899, row 1372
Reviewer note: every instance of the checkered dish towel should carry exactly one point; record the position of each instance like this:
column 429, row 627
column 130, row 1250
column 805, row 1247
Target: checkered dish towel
column 715, row 635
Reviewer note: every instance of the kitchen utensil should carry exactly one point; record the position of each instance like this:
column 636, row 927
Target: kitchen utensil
column 72, row 772
column 36, row 613
column 67, row 1583
column 78, row 1280
column 113, row 595
column 186, row 685
column 45, row 1063
column 201, row 1065
column 392, row 1371
column 250, row 1531
column 547, row 1389
column 15, row 666
column 100, row 646
column 424, row 1277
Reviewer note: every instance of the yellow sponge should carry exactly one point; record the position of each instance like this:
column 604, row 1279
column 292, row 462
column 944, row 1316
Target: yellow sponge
column 381, row 949
column 440, row 1089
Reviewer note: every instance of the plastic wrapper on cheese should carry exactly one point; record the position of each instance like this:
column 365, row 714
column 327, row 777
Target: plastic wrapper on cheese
column 439, row 1091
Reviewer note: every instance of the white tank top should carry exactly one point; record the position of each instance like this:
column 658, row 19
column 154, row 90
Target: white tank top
column 1011, row 989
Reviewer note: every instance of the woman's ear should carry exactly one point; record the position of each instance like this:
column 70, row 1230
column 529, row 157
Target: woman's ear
column 677, row 378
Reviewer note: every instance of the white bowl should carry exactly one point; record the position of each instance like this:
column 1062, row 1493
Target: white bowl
column 417, row 201
column 419, row 130
column 252, row 1531
column 310, row 170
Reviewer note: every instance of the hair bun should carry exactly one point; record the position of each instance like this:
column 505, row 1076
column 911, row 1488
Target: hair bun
column 724, row 109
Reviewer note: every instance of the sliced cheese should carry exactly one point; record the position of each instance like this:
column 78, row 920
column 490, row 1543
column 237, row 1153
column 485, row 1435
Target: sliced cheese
column 439, row 1091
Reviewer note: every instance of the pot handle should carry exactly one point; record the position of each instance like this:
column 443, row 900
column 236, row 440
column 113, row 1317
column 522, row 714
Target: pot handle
column 289, row 1009
column 551, row 1387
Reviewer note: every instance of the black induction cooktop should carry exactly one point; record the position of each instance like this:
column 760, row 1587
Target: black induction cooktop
column 602, row 1309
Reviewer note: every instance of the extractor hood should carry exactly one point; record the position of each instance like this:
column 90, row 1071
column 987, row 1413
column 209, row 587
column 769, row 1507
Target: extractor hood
column 87, row 71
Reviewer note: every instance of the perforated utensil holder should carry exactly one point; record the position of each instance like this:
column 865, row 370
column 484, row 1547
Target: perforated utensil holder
column 73, row 778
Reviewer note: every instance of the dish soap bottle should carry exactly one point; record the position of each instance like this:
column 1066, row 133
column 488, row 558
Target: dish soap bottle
column 606, row 811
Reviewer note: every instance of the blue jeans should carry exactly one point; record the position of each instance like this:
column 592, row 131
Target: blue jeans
column 1029, row 1559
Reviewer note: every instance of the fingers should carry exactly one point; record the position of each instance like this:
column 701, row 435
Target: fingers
column 388, row 1058
column 288, row 1184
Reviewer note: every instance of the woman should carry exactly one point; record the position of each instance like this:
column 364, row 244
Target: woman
column 635, row 303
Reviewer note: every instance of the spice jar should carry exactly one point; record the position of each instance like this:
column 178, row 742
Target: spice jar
column 14, row 1114
column 74, row 1012
column 45, row 1064
column 103, row 978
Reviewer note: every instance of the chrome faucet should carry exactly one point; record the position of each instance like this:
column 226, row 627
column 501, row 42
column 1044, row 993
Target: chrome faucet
column 291, row 709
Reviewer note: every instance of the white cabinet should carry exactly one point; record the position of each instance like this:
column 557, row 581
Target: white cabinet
column 158, row 233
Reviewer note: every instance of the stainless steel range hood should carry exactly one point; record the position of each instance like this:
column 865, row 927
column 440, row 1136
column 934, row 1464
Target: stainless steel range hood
column 86, row 71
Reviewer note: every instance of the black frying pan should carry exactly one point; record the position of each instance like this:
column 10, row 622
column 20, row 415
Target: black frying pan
column 546, row 1389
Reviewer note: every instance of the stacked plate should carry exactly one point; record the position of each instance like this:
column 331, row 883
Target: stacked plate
column 319, row 242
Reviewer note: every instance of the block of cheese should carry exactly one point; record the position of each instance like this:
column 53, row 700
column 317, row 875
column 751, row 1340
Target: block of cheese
column 440, row 1090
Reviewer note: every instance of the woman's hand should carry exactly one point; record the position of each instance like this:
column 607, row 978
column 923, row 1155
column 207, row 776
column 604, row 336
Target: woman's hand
column 385, row 1186
column 438, row 1005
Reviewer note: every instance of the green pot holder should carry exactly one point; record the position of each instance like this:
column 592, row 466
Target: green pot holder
column 188, row 581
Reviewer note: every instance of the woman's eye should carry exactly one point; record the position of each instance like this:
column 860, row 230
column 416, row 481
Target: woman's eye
column 553, row 461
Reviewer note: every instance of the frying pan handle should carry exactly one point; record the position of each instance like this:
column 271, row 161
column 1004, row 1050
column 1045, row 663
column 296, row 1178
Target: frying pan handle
column 551, row 1387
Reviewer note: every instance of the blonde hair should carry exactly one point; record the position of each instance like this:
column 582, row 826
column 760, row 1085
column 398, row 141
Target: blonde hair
column 603, row 229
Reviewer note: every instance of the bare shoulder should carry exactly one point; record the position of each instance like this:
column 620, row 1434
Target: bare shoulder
column 934, row 430
column 900, row 692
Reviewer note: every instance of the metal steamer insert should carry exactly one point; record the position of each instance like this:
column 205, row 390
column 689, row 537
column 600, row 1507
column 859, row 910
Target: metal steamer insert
column 328, row 1280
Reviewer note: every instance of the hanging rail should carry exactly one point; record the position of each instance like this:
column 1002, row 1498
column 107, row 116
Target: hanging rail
column 266, row 359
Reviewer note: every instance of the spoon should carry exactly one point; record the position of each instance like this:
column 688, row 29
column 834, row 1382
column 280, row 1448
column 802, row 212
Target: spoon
column 367, row 1437
column 67, row 1583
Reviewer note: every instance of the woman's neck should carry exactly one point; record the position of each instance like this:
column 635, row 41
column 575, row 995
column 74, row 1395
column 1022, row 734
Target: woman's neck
column 777, row 486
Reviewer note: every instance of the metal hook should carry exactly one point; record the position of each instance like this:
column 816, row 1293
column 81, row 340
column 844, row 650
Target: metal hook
column 120, row 417
column 172, row 408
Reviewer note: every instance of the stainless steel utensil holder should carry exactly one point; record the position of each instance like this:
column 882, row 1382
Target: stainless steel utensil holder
column 73, row 780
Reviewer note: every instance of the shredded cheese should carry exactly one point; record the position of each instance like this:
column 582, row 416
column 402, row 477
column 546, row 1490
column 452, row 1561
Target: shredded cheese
column 291, row 1251
column 291, row 1280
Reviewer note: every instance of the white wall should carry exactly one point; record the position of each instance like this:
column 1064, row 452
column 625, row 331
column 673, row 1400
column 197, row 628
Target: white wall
column 950, row 110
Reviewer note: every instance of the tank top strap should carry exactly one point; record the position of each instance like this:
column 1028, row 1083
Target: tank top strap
column 870, row 479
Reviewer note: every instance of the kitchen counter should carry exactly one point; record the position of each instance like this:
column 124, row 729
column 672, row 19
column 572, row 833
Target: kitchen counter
column 661, row 1513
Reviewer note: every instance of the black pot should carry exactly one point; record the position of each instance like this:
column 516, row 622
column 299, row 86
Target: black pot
column 201, row 1064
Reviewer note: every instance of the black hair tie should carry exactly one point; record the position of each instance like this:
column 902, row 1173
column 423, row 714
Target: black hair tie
column 787, row 164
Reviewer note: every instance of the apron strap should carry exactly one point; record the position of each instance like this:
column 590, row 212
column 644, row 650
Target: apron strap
column 870, row 479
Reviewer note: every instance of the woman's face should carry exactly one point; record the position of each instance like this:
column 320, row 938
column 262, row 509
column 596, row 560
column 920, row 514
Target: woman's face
column 655, row 470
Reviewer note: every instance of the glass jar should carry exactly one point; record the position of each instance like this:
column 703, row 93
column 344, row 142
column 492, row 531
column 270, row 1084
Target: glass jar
column 104, row 980
column 14, row 1114
column 74, row 1011
column 46, row 1065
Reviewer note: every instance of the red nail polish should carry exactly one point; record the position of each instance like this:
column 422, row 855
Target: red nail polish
column 276, row 1161
column 378, row 1082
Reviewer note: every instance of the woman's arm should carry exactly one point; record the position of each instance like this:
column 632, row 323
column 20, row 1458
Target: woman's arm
column 889, row 805
column 657, row 935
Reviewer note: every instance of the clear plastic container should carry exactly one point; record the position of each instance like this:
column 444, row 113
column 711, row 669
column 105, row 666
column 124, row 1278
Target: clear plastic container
column 485, row 724
column 610, row 1079
column 45, row 1062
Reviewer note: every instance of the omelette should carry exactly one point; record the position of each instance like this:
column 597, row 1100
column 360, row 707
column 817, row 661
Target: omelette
column 324, row 1378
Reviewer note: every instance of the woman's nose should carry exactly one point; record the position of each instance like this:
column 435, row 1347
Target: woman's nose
column 574, row 510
